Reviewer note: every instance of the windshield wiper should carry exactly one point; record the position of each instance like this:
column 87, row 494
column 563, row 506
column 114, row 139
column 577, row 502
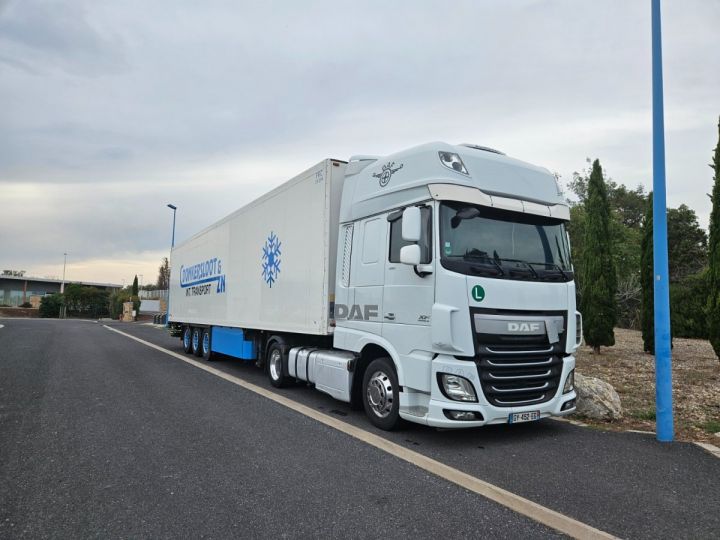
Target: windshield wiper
column 481, row 255
column 529, row 265
column 553, row 265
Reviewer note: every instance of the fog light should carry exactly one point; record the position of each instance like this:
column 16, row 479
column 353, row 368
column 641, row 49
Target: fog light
column 569, row 382
column 568, row 405
column 462, row 415
column 457, row 388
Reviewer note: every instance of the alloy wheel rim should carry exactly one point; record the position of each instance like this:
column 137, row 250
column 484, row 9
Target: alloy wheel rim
column 380, row 394
column 275, row 365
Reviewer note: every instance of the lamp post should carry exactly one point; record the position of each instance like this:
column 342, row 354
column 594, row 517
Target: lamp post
column 62, row 284
column 63, row 308
column 172, row 245
column 663, row 357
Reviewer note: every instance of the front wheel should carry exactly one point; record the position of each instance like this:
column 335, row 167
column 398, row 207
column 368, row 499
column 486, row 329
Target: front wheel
column 276, row 363
column 381, row 394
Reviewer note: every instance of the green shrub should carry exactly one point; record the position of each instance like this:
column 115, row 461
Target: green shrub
column 688, row 300
column 83, row 301
column 117, row 299
column 50, row 305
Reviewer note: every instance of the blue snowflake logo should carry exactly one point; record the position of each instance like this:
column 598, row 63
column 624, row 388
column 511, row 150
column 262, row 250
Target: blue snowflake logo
column 271, row 259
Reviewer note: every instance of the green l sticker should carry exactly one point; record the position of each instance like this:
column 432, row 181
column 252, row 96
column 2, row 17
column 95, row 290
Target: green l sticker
column 478, row 293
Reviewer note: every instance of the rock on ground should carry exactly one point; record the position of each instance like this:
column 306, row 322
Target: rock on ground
column 597, row 399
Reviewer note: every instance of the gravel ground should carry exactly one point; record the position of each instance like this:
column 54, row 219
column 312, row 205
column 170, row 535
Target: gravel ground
column 696, row 384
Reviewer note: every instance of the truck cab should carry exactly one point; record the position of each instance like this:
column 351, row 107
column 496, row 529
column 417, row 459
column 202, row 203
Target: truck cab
column 454, row 288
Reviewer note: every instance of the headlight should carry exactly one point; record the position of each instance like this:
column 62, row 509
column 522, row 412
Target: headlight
column 452, row 161
column 569, row 382
column 457, row 388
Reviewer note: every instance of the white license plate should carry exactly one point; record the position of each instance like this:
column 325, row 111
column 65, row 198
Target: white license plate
column 516, row 418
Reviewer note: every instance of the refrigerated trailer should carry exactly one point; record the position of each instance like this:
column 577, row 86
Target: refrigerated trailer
column 433, row 285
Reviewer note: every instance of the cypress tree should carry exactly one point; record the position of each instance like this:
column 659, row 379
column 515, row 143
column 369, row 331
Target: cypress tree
column 135, row 286
column 598, row 280
column 647, row 309
column 714, row 255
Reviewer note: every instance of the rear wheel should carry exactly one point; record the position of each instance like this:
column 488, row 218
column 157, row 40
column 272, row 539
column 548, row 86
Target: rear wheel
column 205, row 345
column 196, row 338
column 276, row 363
column 187, row 339
column 381, row 394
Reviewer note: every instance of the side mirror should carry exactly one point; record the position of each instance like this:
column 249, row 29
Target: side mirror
column 410, row 254
column 411, row 224
column 469, row 212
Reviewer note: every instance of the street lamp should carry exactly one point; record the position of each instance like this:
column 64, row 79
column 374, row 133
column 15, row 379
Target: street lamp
column 62, row 285
column 62, row 288
column 172, row 245
column 174, row 209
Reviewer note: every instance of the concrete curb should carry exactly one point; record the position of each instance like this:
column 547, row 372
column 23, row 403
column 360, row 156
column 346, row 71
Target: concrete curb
column 569, row 421
column 711, row 448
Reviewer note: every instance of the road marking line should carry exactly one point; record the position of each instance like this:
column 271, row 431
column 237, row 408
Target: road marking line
column 569, row 421
column 2, row 326
column 526, row 507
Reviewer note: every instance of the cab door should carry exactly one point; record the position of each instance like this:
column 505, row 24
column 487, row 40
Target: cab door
column 409, row 290
column 366, row 277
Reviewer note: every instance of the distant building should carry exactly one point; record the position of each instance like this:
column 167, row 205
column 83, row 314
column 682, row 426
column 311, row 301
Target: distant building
column 16, row 290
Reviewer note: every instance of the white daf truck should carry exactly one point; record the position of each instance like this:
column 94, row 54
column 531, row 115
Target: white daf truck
column 433, row 285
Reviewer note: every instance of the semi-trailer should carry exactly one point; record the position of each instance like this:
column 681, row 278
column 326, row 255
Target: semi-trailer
column 433, row 285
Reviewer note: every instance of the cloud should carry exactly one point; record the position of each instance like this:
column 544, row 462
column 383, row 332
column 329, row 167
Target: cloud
column 113, row 109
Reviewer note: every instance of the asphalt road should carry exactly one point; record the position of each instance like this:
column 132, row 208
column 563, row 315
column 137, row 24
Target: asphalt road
column 101, row 436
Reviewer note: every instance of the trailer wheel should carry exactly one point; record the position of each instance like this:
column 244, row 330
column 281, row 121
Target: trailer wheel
column 381, row 394
column 196, row 341
column 205, row 345
column 276, row 365
column 187, row 339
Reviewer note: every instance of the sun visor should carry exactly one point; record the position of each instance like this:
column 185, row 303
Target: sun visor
column 453, row 192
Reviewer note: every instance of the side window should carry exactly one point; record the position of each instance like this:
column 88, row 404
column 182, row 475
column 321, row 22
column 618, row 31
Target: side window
column 370, row 241
column 396, row 239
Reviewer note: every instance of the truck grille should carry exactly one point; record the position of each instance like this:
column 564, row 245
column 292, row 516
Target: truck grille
column 519, row 367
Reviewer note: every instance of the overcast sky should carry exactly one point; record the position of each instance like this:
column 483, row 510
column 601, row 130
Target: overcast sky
column 110, row 110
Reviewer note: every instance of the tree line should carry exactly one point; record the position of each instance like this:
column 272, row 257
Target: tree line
column 91, row 302
column 611, row 235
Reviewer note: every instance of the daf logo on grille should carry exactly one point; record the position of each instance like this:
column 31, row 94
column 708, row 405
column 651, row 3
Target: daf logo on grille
column 523, row 326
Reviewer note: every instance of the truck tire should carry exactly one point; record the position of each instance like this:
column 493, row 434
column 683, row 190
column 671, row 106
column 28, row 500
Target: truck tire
column 276, row 365
column 206, row 345
column 187, row 339
column 196, row 341
column 381, row 394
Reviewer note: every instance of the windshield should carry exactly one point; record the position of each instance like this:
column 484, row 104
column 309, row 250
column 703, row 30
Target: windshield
column 498, row 243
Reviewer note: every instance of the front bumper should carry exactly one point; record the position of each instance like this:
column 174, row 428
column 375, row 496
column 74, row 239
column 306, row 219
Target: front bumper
column 491, row 414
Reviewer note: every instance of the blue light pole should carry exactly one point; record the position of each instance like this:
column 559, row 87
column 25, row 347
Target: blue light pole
column 172, row 245
column 663, row 360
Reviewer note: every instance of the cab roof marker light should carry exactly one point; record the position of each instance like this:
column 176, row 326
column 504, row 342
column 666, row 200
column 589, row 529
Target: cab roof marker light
column 452, row 161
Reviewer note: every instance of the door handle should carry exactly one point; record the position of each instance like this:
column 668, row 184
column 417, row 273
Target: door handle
column 390, row 316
